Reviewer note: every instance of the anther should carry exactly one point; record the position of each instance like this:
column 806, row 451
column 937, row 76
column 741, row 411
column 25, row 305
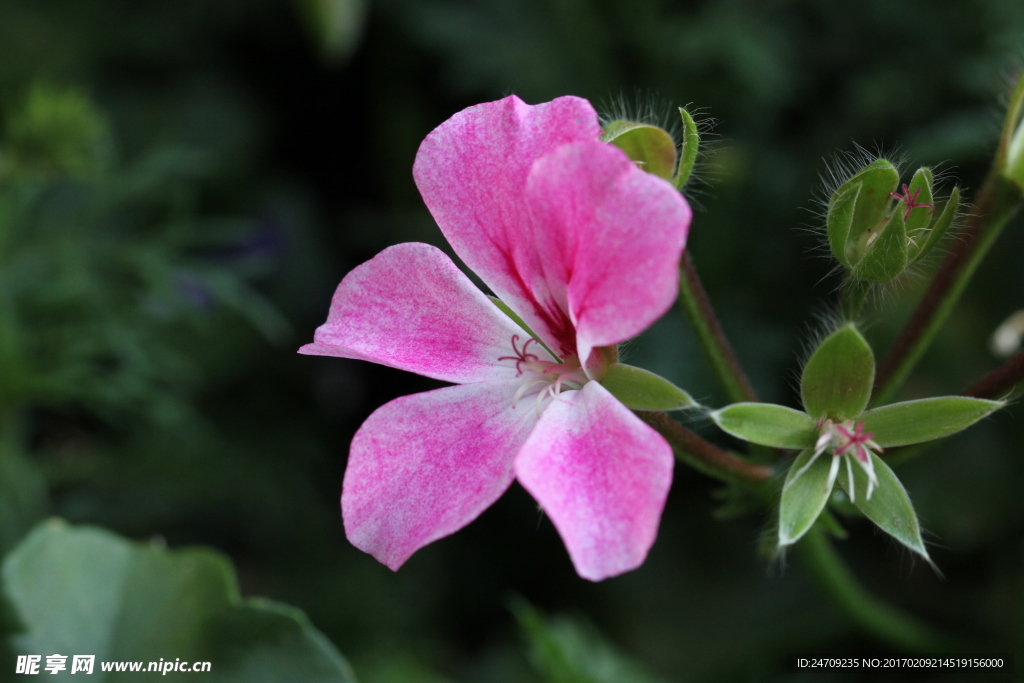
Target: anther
column 911, row 200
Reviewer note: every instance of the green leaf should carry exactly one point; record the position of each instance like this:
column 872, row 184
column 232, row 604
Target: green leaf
column 839, row 221
column 86, row 591
column 652, row 148
column 23, row 495
column 940, row 227
column 691, row 145
column 566, row 650
column 889, row 506
column 885, row 253
column 837, row 380
column 768, row 424
column 804, row 495
column 901, row 424
column 919, row 218
column 640, row 389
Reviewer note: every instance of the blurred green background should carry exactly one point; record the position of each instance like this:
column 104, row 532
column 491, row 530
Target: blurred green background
column 183, row 184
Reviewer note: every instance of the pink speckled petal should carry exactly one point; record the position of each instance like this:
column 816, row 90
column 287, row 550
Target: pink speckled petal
column 472, row 170
column 423, row 466
column 601, row 475
column 611, row 236
column 411, row 308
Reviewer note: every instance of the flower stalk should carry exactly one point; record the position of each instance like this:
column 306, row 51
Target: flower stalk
column 872, row 615
column 853, row 297
column 703, row 455
column 694, row 301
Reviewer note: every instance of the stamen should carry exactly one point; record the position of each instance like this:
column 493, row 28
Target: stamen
column 552, row 376
column 911, row 201
column 849, row 439
column 521, row 355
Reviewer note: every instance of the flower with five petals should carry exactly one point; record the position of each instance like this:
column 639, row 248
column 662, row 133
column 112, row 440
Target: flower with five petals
column 584, row 247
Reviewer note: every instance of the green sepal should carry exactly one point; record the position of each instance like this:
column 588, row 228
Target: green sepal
column 688, row 153
column 939, row 227
column 902, row 424
column 837, row 379
column 879, row 180
column 640, row 389
column 652, row 148
column 839, row 221
column 885, row 254
column 768, row 425
column 804, row 497
column 889, row 506
column 919, row 218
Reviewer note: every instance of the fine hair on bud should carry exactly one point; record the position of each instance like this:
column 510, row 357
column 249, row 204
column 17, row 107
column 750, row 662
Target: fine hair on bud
column 839, row 168
column 825, row 319
column 652, row 109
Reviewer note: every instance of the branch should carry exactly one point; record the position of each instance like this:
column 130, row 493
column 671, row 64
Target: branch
column 873, row 615
column 695, row 303
column 703, row 455
column 1000, row 381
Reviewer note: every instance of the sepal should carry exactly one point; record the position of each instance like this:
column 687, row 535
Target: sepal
column 910, row 422
column 768, row 425
column 641, row 389
column 889, row 506
column 652, row 148
column 805, row 494
column 688, row 152
column 837, row 380
column 923, row 242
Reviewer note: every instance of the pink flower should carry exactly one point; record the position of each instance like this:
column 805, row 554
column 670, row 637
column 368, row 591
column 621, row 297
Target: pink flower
column 584, row 246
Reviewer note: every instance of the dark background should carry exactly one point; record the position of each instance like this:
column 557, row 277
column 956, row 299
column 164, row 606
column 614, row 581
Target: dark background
column 203, row 174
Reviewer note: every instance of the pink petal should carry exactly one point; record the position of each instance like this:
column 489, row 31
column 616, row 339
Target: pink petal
column 472, row 173
column 601, row 475
column 411, row 308
column 611, row 236
column 423, row 466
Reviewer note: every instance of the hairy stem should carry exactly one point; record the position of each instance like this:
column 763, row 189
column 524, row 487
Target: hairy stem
column 996, row 203
column 703, row 455
column 875, row 617
column 853, row 297
column 695, row 303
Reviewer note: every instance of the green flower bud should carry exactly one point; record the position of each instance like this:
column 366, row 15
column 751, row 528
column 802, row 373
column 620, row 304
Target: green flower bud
column 877, row 228
column 654, row 149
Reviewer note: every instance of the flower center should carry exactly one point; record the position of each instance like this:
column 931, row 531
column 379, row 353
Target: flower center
column 849, row 439
column 544, row 379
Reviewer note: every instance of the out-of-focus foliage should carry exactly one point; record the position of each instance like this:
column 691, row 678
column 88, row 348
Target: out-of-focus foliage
column 86, row 591
column 566, row 650
column 190, row 176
